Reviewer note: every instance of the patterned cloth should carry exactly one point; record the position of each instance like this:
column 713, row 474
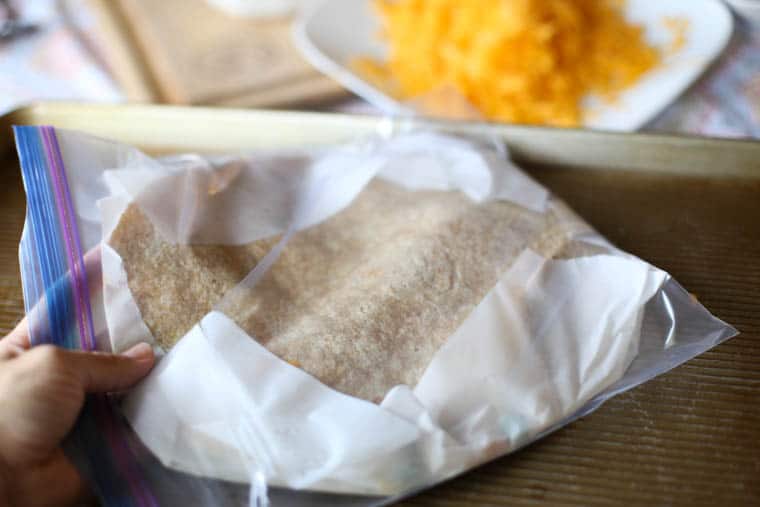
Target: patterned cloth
column 51, row 63
column 726, row 101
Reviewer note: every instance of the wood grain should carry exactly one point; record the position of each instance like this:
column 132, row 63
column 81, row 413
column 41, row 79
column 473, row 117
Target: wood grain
column 187, row 52
column 691, row 436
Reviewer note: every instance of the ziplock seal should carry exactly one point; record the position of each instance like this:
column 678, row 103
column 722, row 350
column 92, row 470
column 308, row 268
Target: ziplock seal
column 55, row 286
column 56, row 238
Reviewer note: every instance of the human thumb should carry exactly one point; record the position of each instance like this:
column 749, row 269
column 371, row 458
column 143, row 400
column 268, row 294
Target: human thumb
column 100, row 372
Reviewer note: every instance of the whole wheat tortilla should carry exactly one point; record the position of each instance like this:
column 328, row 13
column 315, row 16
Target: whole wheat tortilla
column 361, row 301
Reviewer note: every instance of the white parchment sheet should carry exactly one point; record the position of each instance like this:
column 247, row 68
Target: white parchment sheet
column 548, row 336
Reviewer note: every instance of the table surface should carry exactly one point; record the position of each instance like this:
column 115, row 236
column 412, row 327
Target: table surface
column 691, row 436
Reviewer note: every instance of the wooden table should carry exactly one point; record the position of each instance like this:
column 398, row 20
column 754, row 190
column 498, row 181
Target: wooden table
column 690, row 437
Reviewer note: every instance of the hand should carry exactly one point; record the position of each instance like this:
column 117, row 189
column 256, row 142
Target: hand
column 42, row 390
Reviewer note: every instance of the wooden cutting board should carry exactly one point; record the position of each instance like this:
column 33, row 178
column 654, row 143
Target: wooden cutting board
column 188, row 52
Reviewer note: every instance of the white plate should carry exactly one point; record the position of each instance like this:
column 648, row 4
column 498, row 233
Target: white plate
column 338, row 31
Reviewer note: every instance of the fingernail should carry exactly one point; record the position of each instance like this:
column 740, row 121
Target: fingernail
column 141, row 352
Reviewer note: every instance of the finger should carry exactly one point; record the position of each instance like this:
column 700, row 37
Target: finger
column 53, row 482
column 9, row 351
column 16, row 342
column 93, row 267
column 98, row 372
column 109, row 372
column 19, row 337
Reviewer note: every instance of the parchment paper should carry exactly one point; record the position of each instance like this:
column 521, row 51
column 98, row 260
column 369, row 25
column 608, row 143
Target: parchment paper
column 549, row 336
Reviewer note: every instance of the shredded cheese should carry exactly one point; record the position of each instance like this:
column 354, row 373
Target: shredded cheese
column 521, row 61
column 678, row 28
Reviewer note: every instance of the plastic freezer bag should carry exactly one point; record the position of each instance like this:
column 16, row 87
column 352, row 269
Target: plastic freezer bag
column 365, row 319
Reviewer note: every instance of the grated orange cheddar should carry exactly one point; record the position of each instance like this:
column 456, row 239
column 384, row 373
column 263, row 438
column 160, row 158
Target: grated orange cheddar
column 521, row 61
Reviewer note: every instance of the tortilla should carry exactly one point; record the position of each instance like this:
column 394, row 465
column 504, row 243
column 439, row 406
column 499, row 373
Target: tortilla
column 361, row 301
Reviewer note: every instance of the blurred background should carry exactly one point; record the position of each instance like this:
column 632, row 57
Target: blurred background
column 265, row 53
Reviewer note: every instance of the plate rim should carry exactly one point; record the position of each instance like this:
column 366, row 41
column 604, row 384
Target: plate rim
column 388, row 105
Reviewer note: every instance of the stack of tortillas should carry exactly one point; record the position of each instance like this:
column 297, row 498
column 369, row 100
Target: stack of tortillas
column 361, row 301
